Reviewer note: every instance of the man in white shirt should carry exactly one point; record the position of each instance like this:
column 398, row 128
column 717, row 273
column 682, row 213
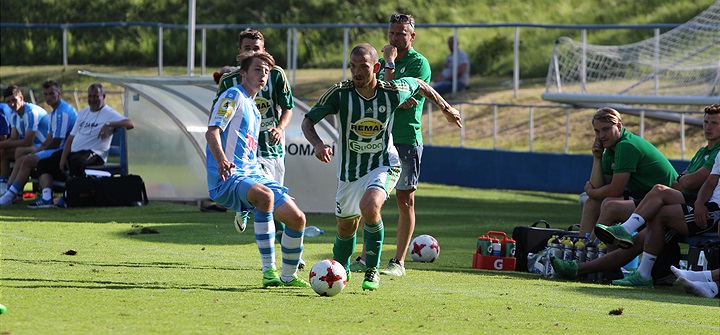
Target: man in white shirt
column 444, row 82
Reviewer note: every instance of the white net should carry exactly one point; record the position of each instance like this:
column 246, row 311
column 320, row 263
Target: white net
column 684, row 61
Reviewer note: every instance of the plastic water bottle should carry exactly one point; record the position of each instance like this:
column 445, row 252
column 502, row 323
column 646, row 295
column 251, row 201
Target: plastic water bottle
column 496, row 247
column 601, row 251
column 567, row 249
column 580, row 251
column 313, row 231
column 590, row 254
column 633, row 264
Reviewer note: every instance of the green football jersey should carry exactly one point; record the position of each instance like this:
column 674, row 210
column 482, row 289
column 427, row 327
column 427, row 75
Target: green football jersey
column 407, row 128
column 645, row 163
column 365, row 140
column 273, row 98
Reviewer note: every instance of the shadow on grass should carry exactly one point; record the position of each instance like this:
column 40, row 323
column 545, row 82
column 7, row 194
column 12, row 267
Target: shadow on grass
column 670, row 294
column 443, row 216
column 34, row 283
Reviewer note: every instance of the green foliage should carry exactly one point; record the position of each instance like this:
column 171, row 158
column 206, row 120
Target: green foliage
column 490, row 49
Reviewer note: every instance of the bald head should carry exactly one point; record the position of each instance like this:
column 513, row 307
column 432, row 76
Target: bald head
column 365, row 49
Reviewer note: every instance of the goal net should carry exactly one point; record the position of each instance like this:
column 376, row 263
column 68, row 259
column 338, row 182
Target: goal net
column 681, row 63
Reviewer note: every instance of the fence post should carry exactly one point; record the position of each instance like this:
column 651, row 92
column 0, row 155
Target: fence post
column 495, row 127
column 531, row 126
column 429, row 122
column 567, row 132
column 462, row 130
column 583, row 71
column 65, row 47
column 656, row 60
column 160, row 50
column 682, row 135
column 516, row 62
column 346, row 46
column 202, row 52
column 642, row 123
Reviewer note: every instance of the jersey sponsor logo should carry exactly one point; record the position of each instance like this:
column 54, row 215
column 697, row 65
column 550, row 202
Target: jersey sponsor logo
column 267, row 123
column 251, row 142
column 262, row 104
column 367, row 127
column 227, row 106
column 367, row 147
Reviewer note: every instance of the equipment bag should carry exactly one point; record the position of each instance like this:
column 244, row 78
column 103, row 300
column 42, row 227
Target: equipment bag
column 532, row 239
column 106, row 191
column 704, row 256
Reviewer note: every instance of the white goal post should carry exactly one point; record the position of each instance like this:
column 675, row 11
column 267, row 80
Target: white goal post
column 678, row 67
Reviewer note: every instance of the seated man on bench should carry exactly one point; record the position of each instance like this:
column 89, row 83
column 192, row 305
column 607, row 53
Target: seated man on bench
column 89, row 140
column 62, row 120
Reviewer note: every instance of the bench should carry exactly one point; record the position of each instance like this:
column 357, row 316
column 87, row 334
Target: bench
column 710, row 236
column 117, row 162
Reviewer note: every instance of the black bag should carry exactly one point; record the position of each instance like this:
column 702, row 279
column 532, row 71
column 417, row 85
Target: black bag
column 532, row 239
column 106, row 191
column 710, row 249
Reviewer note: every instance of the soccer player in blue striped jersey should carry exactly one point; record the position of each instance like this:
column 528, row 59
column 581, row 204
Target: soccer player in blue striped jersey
column 29, row 124
column 236, row 179
column 275, row 103
column 369, row 164
column 62, row 120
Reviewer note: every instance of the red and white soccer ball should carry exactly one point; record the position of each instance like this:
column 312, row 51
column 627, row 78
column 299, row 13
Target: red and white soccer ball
column 424, row 248
column 328, row 277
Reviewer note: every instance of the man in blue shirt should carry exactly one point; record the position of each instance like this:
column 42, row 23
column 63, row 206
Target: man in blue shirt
column 30, row 127
column 62, row 120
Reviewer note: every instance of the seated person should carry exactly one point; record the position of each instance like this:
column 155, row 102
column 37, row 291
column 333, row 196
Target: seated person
column 62, row 120
column 89, row 140
column 689, row 181
column 444, row 82
column 29, row 124
column 624, row 166
column 5, row 112
column 687, row 220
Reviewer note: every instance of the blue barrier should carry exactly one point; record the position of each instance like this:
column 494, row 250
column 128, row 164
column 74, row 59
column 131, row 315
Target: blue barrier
column 498, row 169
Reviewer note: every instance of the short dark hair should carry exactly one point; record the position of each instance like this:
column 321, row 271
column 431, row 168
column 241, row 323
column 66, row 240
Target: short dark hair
column 251, row 34
column 363, row 49
column 11, row 91
column 712, row 109
column 245, row 59
column 403, row 19
column 51, row 83
column 97, row 86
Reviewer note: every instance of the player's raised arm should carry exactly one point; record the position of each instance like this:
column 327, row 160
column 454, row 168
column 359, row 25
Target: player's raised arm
column 451, row 114
column 322, row 152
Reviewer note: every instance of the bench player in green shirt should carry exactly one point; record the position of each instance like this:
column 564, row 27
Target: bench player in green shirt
column 624, row 165
column 369, row 164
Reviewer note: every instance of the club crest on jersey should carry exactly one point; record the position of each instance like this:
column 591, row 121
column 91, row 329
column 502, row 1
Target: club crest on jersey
column 227, row 106
column 262, row 104
column 367, row 127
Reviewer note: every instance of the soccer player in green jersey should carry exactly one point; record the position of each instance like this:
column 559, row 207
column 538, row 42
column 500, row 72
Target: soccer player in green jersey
column 275, row 103
column 400, row 60
column 369, row 164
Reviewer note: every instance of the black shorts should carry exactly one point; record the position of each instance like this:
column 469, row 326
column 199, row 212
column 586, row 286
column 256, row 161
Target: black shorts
column 712, row 220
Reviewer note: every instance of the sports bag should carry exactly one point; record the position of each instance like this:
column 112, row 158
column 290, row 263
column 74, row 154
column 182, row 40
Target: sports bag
column 106, row 191
column 532, row 239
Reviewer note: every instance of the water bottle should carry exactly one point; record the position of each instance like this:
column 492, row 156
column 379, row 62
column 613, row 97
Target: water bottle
column 496, row 247
column 601, row 251
column 567, row 249
column 580, row 251
column 633, row 264
column 590, row 254
column 484, row 245
column 554, row 247
column 313, row 231
column 509, row 247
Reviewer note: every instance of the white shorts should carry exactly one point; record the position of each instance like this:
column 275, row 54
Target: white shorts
column 349, row 194
column 274, row 167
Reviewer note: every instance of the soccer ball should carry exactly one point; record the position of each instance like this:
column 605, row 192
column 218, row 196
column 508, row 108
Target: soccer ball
column 424, row 248
column 328, row 277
